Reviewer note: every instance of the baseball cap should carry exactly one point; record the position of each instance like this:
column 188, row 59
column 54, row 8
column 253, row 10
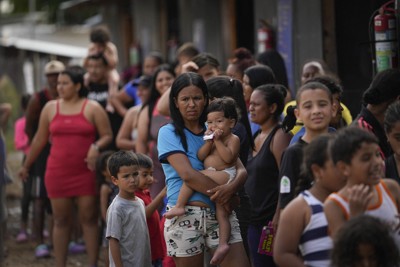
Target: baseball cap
column 53, row 67
column 144, row 81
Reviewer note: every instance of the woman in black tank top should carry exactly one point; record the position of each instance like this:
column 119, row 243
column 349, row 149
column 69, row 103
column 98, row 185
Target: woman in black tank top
column 266, row 106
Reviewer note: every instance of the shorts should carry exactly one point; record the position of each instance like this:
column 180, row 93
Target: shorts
column 231, row 171
column 190, row 234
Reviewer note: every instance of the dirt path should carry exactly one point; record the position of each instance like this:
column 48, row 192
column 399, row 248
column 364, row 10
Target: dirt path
column 21, row 255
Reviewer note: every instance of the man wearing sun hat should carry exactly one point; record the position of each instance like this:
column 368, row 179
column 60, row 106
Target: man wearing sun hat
column 36, row 178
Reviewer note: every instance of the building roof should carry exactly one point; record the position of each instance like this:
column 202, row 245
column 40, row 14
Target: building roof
column 69, row 42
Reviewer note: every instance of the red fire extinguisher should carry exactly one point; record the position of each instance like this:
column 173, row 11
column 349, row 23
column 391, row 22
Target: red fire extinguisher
column 265, row 37
column 385, row 38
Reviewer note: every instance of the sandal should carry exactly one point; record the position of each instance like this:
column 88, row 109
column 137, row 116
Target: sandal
column 76, row 248
column 42, row 251
column 22, row 237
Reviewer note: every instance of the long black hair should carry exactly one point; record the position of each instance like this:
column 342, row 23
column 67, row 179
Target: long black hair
column 184, row 80
column 154, row 94
column 384, row 87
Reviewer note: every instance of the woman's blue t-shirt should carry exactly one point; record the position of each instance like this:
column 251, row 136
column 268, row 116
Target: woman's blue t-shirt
column 170, row 143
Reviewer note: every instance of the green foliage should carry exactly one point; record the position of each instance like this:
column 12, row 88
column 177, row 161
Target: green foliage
column 9, row 94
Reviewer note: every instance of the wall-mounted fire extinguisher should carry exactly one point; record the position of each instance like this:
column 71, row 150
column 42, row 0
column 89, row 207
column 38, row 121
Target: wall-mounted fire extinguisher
column 265, row 36
column 385, row 38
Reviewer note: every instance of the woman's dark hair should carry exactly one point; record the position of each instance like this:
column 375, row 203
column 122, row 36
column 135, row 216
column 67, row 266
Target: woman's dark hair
column 76, row 74
column 101, row 165
column 274, row 60
column 154, row 94
column 24, row 101
column 315, row 153
column 242, row 59
column 259, row 75
column 348, row 141
column 227, row 105
column 365, row 230
column 100, row 34
column 144, row 161
column 184, row 80
column 221, row 86
column 384, row 87
column 274, row 94
column 204, row 59
column 392, row 115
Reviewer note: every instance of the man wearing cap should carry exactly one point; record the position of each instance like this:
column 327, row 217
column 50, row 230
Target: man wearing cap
column 35, row 106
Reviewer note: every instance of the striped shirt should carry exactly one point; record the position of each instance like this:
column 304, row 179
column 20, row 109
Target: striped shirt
column 315, row 243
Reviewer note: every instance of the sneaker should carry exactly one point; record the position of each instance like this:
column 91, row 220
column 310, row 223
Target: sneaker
column 42, row 251
column 76, row 248
column 22, row 237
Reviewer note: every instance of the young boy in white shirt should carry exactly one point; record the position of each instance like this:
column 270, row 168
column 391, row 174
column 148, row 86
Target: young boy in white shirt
column 127, row 231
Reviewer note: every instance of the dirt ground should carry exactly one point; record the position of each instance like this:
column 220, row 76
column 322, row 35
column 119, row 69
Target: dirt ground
column 21, row 255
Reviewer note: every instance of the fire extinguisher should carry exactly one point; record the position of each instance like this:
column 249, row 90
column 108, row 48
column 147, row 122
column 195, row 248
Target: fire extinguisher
column 265, row 37
column 385, row 38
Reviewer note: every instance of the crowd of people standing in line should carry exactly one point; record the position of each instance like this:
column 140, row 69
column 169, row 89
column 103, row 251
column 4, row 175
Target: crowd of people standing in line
column 209, row 159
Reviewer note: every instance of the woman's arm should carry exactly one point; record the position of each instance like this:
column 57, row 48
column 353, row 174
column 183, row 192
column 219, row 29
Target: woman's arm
column 32, row 116
column 119, row 99
column 155, row 203
column 102, row 124
column 124, row 137
column 287, row 237
column 163, row 103
column 143, row 131
column 39, row 140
